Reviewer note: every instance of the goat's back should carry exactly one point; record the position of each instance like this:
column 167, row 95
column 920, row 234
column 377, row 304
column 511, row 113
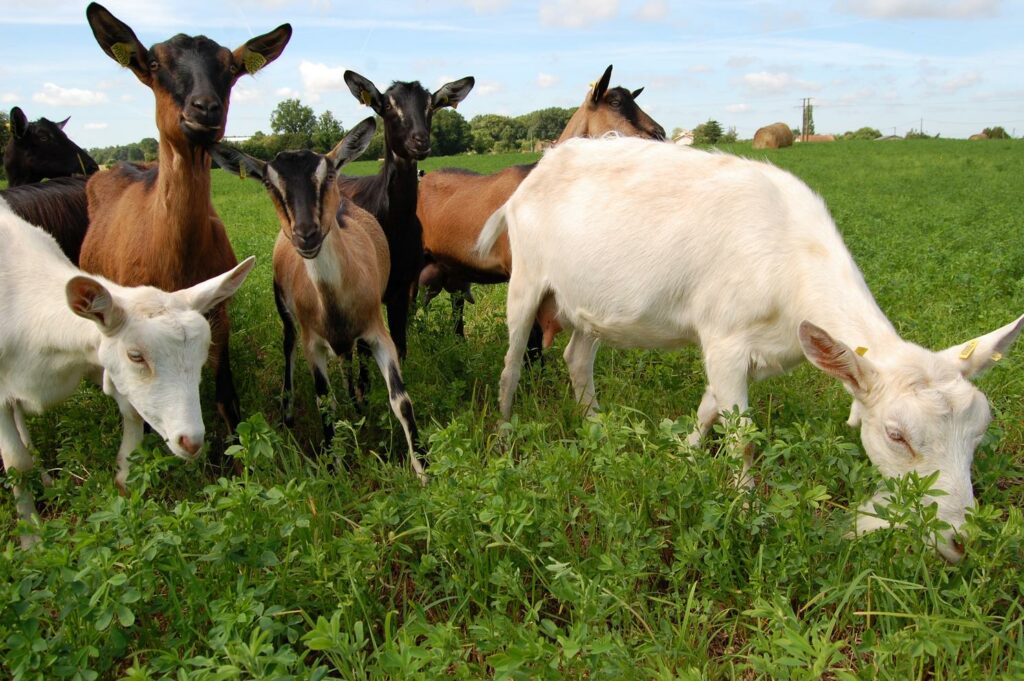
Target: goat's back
column 651, row 244
column 58, row 206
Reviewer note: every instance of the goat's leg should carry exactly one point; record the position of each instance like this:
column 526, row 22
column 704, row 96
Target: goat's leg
column 361, row 376
column 26, row 438
column 727, row 379
column 579, row 358
column 398, row 320
column 227, row 399
column 707, row 415
column 131, row 437
column 459, row 312
column 16, row 456
column 535, row 345
column 316, row 357
column 385, row 353
column 521, row 309
column 288, row 389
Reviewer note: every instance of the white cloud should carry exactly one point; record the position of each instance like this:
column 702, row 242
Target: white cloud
column 287, row 93
column 739, row 61
column 700, row 68
column 577, row 13
column 96, row 126
column 921, row 9
column 127, row 98
column 10, row 97
column 961, row 81
column 488, row 87
column 738, row 108
column 55, row 95
column 652, row 10
column 487, row 6
column 546, row 80
column 319, row 78
column 766, row 82
column 241, row 93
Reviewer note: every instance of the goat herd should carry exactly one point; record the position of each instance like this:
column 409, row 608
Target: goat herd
column 621, row 239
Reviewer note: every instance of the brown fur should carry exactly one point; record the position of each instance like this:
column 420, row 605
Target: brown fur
column 454, row 205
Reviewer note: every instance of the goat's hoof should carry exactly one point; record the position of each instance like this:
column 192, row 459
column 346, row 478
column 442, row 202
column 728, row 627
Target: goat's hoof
column 122, row 489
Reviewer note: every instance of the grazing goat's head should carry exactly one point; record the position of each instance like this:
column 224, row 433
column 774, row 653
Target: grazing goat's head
column 191, row 76
column 40, row 150
column 153, row 346
column 301, row 184
column 917, row 412
column 407, row 109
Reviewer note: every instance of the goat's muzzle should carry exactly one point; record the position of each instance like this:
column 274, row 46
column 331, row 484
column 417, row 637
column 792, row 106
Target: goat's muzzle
column 307, row 242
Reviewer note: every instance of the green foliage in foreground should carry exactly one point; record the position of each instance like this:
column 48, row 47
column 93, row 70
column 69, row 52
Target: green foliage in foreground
column 554, row 546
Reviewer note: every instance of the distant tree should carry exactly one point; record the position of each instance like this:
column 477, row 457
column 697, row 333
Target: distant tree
column 5, row 134
column 918, row 135
column 450, row 134
column 729, row 136
column 676, row 132
column 864, row 133
column 327, row 132
column 494, row 133
column 150, row 148
column 545, row 124
column 996, row 133
column 291, row 116
column 375, row 149
column 707, row 133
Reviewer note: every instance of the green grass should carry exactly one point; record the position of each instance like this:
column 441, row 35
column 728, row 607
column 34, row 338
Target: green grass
column 551, row 547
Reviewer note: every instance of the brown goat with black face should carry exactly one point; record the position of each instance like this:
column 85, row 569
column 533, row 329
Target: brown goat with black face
column 154, row 223
column 331, row 266
column 40, row 150
column 454, row 204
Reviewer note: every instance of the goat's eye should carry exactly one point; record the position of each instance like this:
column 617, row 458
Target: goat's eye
column 896, row 436
column 154, row 65
column 615, row 102
column 136, row 357
column 234, row 69
column 43, row 137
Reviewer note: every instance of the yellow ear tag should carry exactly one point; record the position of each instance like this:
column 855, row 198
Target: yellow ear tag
column 365, row 97
column 861, row 350
column 241, row 171
column 996, row 356
column 969, row 349
column 254, row 61
column 122, row 53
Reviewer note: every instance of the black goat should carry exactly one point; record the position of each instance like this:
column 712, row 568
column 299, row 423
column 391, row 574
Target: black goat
column 58, row 206
column 41, row 150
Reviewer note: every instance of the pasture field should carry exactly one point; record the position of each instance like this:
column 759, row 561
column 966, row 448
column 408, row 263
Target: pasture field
column 554, row 546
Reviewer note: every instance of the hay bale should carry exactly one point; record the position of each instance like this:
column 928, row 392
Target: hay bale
column 978, row 136
column 773, row 136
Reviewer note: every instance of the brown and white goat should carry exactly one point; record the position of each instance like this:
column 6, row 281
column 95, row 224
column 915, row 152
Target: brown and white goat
column 331, row 266
column 154, row 224
column 454, row 204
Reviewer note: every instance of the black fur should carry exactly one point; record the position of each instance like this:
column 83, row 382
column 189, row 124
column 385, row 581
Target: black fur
column 40, row 150
column 58, row 206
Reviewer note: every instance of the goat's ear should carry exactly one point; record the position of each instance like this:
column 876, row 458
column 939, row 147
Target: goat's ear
column 62, row 123
column 636, row 93
column 354, row 143
column 207, row 295
column 88, row 298
column 836, row 359
column 118, row 40
column 450, row 94
column 363, row 90
column 19, row 122
column 261, row 50
column 601, row 86
column 974, row 356
column 237, row 162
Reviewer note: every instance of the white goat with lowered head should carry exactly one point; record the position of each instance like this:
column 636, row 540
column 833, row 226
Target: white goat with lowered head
column 146, row 346
column 641, row 244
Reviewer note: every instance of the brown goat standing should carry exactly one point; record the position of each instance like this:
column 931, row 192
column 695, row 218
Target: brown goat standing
column 154, row 224
column 454, row 204
column 331, row 267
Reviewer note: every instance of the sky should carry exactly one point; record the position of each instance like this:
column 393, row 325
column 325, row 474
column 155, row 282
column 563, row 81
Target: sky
column 953, row 65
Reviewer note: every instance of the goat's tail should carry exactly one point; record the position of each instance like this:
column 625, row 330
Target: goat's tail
column 495, row 226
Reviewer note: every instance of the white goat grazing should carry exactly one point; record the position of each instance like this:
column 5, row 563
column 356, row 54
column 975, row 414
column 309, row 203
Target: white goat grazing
column 331, row 267
column 641, row 244
column 146, row 346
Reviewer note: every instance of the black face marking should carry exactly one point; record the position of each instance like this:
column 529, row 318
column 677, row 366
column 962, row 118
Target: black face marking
column 621, row 100
column 407, row 113
column 303, row 195
column 197, row 74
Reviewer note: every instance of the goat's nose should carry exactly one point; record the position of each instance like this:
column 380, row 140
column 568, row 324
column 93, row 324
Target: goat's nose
column 206, row 104
column 189, row 444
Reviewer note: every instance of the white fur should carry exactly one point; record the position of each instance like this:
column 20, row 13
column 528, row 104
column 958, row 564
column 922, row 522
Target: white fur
column 652, row 245
column 46, row 348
